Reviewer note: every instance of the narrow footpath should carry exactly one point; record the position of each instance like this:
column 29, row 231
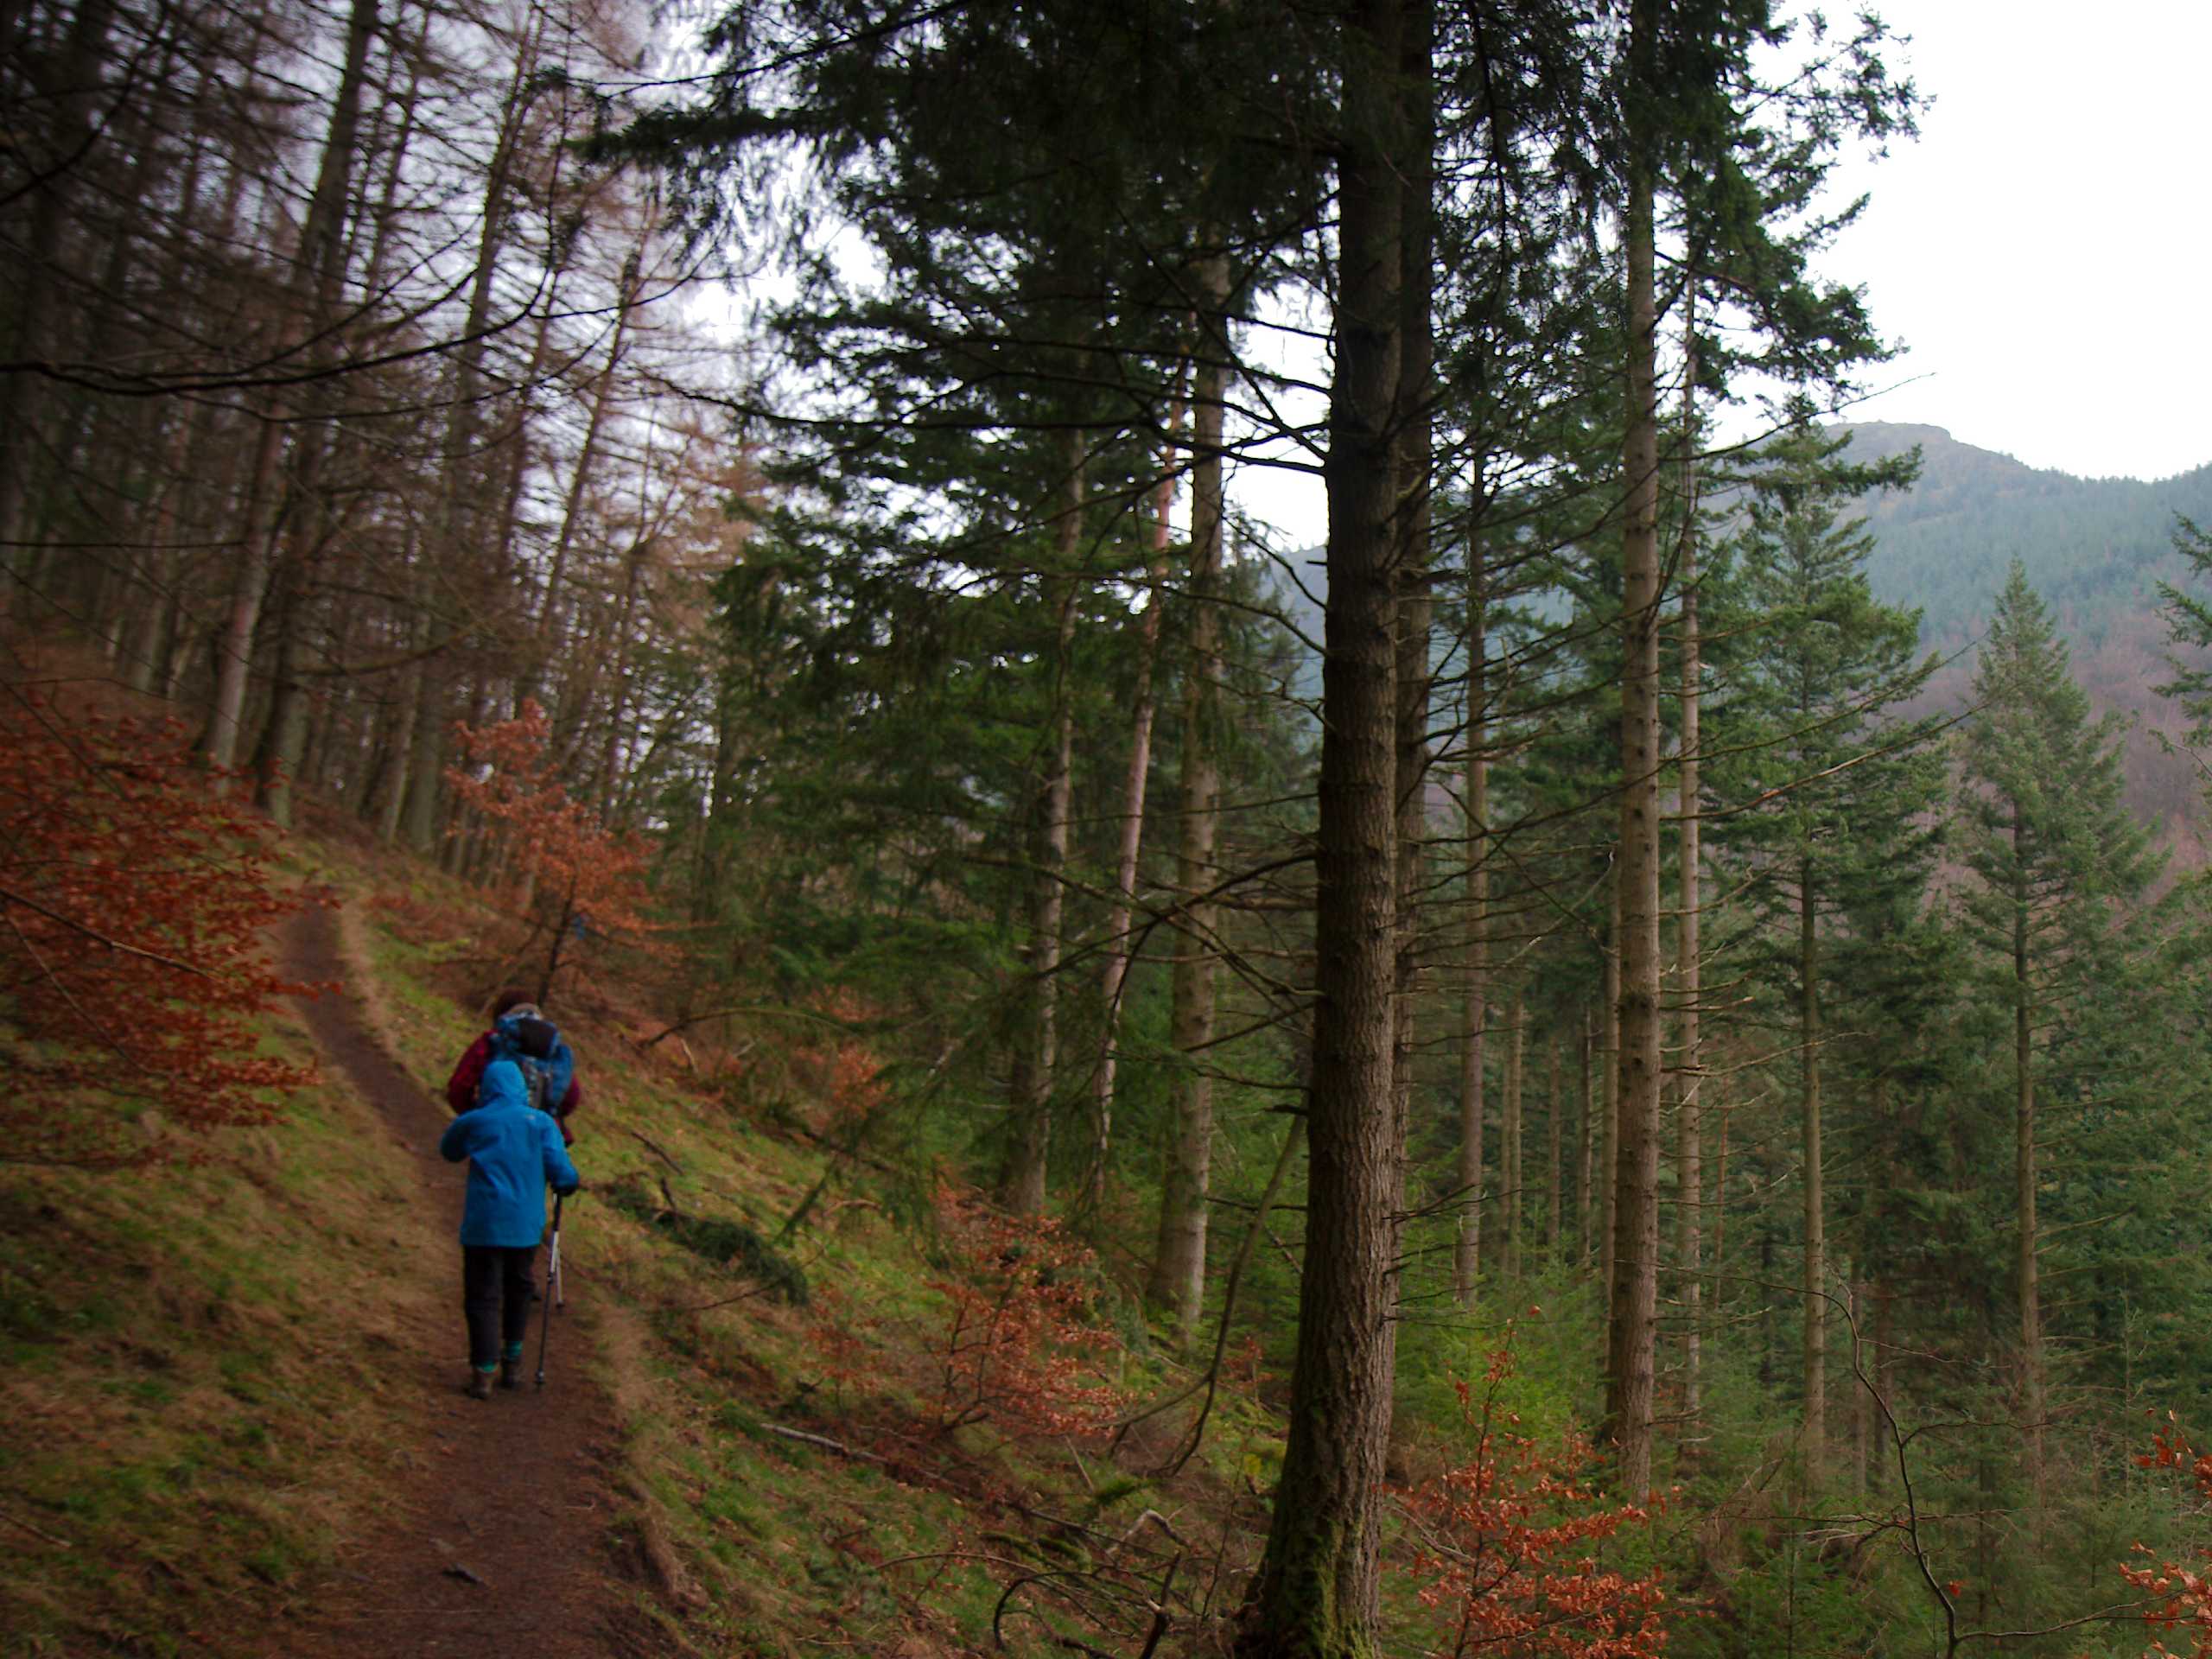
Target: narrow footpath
column 495, row 1540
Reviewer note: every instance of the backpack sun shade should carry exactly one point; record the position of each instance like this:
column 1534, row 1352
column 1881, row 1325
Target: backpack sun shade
column 531, row 1042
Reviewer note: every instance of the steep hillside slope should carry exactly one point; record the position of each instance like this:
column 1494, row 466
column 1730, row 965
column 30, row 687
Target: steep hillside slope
column 2096, row 548
column 801, row 1398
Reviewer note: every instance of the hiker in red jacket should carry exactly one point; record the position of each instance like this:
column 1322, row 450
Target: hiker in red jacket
column 513, row 1007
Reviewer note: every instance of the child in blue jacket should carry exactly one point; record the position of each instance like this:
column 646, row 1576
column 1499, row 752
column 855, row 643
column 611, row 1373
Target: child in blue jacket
column 514, row 1151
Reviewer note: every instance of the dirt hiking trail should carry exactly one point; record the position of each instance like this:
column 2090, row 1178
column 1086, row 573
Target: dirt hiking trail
column 495, row 1539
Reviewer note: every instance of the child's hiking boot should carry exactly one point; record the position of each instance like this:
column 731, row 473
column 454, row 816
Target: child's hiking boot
column 480, row 1384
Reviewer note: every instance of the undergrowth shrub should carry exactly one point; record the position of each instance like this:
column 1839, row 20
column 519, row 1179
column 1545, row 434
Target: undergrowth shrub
column 2179, row 1595
column 1023, row 1335
column 134, row 907
column 573, row 886
column 1506, row 1543
column 726, row 1243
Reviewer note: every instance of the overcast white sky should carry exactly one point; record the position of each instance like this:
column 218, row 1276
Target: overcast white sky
column 2043, row 250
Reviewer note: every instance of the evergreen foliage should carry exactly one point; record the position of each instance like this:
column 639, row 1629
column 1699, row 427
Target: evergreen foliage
column 1304, row 970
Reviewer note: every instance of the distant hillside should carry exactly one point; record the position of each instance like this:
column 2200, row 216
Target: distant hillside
column 2096, row 548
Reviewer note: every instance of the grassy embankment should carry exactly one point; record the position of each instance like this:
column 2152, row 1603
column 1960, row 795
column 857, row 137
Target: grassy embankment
column 194, row 1361
column 727, row 1333
column 191, row 1360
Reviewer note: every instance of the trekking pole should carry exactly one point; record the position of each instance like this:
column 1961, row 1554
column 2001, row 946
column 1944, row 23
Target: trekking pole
column 545, row 1317
column 553, row 1259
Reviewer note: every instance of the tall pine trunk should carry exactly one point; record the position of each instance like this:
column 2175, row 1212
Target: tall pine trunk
column 1414, row 455
column 1129, row 844
column 1586, row 1183
column 1630, row 1370
column 1512, row 1163
column 2024, row 1117
column 1690, row 1174
column 1021, row 1177
column 311, row 299
column 1609, row 1079
column 36, row 286
column 1555, row 1192
column 1467, row 1251
column 1318, row 1587
column 1179, row 1260
column 461, row 475
column 1814, row 1443
column 546, row 626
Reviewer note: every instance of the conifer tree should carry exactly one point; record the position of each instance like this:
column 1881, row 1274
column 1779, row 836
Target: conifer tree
column 2058, row 863
column 1692, row 108
column 1841, row 791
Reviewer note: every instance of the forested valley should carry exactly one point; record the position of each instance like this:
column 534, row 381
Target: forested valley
column 1600, row 1051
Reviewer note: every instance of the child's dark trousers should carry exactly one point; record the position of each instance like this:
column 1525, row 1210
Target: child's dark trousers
column 495, row 1292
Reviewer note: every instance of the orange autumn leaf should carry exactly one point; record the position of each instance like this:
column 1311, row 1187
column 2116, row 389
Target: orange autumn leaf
column 135, row 911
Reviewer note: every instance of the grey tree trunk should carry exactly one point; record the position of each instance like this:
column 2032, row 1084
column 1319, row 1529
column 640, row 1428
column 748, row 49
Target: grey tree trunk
column 401, row 764
column 1585, row 1204
column 1631, row 1359
column 1318, row 1587
column 1689, row 1173
column 1510, row 1161
column 1862, row 1401
column 1021, row 1177
column 1414, row 459
column 313, row 294
column 460, row 476
column 2023, row 1121
column 1608, row 1121
column 1128, row 847
column 1179, row 1259
column 547, row 624
column 1814, row 1444
column 1554, row 1113
column 1467, row 1249
column 78, row 75
column 283, row 740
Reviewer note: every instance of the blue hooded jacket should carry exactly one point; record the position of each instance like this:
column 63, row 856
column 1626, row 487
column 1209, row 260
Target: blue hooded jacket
column 513, row 1151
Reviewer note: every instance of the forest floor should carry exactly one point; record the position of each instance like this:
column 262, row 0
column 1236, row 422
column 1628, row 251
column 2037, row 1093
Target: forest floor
column 496, row 1536
column 231, row 1381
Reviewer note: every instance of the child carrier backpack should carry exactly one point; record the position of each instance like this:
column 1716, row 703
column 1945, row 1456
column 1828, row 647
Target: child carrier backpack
column 535, row 1046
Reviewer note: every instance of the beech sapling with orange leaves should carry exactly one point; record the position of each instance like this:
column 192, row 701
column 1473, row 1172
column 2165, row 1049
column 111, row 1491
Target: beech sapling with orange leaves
column 578, row 881
column 2179, row 1593
column 1506, row 1546
column 1021, row 1342
column 135, row 907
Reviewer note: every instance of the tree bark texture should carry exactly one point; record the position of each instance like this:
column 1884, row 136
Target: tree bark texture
column 1128, row 846
column 1629, row 1371
column 1021, row 1180
column 1555, row 1113
column 1689, row 1151
column 36, row 285
column 1609, row 1079
column 1317, row 1590
column 1178, row 1282
column 1512, row 1163
column 313, row 293
column 1415, row 458
column 2024, row 1116
column 1812, row 1446
column 1585, row 1168
column 1467, row 1249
